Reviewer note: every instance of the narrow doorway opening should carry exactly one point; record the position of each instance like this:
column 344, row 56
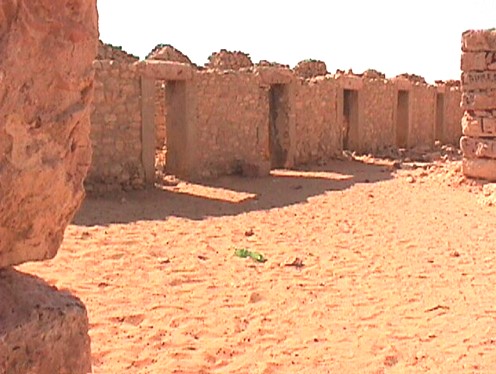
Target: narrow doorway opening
column 440, row 117
column 402, row 119
column 170, row 129
column 350, row 120
column 278, row 125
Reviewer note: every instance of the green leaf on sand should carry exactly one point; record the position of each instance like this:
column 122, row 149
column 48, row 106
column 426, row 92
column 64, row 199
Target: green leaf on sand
column 244, row 253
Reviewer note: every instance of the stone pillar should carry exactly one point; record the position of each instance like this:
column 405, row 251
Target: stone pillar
column 478, row 142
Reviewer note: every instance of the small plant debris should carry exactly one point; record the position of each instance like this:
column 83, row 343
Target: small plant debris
column 244, row 253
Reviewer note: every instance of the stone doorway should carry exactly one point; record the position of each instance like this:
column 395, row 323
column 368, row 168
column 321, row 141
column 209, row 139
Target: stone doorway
column 350, row 120
column 170, row 129
column 279, row 134
column 440, row 117
column 402, row 118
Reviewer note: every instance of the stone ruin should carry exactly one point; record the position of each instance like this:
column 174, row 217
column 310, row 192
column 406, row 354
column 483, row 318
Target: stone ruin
column 44, row 156
column 226, row 60
column 310, row 69
column 166, row 116
column 478, row 143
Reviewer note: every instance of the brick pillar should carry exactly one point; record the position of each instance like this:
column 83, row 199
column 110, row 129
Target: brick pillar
column 478, row 142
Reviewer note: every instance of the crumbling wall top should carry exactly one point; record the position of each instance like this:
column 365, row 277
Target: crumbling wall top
column 373, row 74
column 310, row 68
column 412, row 78
column 109, row 52
column 227, row 60
column 166, row 52
column 265, row 63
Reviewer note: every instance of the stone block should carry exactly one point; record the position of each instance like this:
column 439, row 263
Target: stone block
column 348, row 82
column 166, row 70
column 274, row 75
column 479, row 40
column 480, row 168
column 478, row 147
column 472, row 100
column 478, row 80
column 42, row 330
column 478, row 126
column 473, row 61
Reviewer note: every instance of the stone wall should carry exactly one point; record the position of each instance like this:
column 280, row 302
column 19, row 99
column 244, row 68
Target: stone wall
column 109, row 52
column 377, row 130
column 116, row 127
column 318, row 133
column 232, row 122
column 422, row 130
column 450, row 130
column 479, row 102
column 166, row 116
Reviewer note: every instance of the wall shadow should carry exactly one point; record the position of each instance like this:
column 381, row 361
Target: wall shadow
column 228, row 196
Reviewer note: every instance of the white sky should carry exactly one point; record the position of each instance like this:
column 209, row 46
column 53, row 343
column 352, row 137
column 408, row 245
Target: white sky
column 392, row 36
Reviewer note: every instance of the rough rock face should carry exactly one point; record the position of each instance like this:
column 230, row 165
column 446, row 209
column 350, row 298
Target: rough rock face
column 47, row 48
column 310, row 69
column 109, row 52
column 166, row 52
column 227, row 60
column 42, row 330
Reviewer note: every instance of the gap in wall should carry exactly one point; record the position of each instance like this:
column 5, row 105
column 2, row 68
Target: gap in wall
column 439, row 117
column 171, row 138
column 350, row 119
column 402, row 118
column 278, row 125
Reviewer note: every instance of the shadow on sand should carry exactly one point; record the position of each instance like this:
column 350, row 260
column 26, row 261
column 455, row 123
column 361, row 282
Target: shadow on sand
column 228, row 196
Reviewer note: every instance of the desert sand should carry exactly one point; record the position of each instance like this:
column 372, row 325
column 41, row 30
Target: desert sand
column 397, row 273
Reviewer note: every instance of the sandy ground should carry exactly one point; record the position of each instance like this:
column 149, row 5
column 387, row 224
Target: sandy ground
column 398, row 274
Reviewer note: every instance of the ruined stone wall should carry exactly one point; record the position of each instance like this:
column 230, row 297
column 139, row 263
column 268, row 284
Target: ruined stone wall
column 110, row 52
column 227, row 60
column 479, row 102
column 423, row 116
column 452, row 130
column 232, row 122
column 116, row 127
column 310, row 69
column 317, row 131
column 377, row 130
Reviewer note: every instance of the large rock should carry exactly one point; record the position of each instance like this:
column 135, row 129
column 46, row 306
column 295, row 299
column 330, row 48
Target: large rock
column 47, row 48
column 42, row 330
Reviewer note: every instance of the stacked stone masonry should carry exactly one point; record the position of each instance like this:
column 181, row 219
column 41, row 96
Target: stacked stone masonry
column 478, row 81
column 233, row 116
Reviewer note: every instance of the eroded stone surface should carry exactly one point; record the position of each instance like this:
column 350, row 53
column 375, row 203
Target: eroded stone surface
column 479, row 40
column 42, row 330
column 477, row 147
column 481, row 168
column 46, row 87
column 310, row 69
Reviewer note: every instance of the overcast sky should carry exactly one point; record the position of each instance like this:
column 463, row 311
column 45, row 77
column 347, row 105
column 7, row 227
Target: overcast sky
column 420, row 37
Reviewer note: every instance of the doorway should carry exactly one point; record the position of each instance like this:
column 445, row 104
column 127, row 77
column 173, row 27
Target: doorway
column 402, row 118
column 278, row 125
column 170, row 129
column 440, row 117
column 350, row 120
